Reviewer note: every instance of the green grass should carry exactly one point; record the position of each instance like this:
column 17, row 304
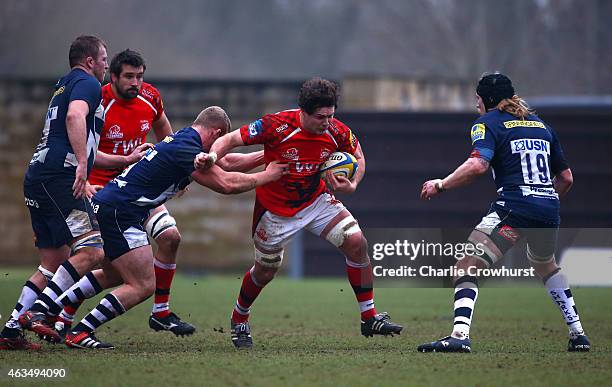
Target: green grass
column 307, row 333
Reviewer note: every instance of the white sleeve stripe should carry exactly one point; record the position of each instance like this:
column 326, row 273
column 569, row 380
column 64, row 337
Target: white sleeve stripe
column 332, row 137
column 296, row 131
column 140, row 97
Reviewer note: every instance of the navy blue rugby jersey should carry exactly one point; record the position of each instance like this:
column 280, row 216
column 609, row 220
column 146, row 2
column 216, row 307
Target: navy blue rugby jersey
column 54, row 156
column 524, row 155
column 158, row 176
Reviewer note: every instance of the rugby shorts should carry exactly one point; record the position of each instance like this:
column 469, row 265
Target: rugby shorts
column 57, row 217
column 505, row 228
column 273, row 232
column 122, row 230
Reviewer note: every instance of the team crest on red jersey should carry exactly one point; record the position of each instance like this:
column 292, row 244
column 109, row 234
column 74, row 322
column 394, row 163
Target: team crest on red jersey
column 291, row 154
column 114, row 132
column 324, row 153
column 145, row 126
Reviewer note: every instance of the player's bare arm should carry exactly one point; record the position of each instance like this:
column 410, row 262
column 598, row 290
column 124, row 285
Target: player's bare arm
column 226, row 143
column 227, row 183
column 241, row 162
column 563, row 181
column 463, row 175
column 76, row 125
column 340, row 183
column 108, row 161
column 162, row 127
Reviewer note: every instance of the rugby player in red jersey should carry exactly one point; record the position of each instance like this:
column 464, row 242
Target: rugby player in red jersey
column 304, row 138
column 132, row 109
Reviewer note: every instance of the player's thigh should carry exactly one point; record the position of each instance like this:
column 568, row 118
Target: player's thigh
column 496, row 233
column 541, row 242
column 51, row 258
column 333, row 222
column 272, row 232
column 136, row 268
column 57, row 217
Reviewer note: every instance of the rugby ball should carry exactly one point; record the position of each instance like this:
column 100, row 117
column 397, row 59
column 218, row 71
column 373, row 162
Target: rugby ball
column 341, row 164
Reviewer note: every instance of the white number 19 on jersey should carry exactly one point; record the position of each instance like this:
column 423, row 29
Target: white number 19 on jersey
column 534, row 159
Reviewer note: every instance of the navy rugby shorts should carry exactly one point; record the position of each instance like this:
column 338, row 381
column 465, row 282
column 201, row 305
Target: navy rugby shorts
column 122, row 230
column 506, row 227
column 57, row 217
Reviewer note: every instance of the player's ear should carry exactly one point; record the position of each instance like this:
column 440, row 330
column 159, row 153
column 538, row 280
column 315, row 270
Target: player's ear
column 90, row 62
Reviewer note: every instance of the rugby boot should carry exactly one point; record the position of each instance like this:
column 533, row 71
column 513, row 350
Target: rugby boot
column 380, row 324
column 37, row 323
column 241, row 334
column 85, row 340
column 447, row 344
column 62, row 327
column 172, row 323
column 579, row 344
column 16, row 341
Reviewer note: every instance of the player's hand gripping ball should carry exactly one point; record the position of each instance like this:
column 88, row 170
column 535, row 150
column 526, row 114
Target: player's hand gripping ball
column 341, row 164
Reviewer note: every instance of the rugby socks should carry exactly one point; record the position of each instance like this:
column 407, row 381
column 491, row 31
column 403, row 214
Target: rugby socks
column 108, row 308
column 466, row 293
column 361, row 279
column 29, row 294
column 556, row 284
column 249, row 291
column 164, row 273
column 68, row 313
column 65, row 276
column 71, row 299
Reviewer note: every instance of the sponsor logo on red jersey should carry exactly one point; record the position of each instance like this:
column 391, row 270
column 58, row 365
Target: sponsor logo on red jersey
column 282, row 128
column 147, row 93
column 114, row 132
column 291, row 154
column 145, row 126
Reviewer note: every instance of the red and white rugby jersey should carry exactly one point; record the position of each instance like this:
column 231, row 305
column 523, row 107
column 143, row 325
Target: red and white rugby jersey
column 126, row 125
column 285, row 141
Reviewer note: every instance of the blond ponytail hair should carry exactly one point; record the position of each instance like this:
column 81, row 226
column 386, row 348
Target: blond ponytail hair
column 515, row 106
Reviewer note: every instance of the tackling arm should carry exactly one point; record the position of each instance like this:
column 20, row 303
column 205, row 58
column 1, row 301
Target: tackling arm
column 241, row 162
column 225, row 143
column 224, row 182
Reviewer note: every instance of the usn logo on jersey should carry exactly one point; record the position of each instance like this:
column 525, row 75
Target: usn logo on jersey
column 477, row 132
column 530, row 144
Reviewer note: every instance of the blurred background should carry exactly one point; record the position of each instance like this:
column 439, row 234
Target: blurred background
column 407, row 69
